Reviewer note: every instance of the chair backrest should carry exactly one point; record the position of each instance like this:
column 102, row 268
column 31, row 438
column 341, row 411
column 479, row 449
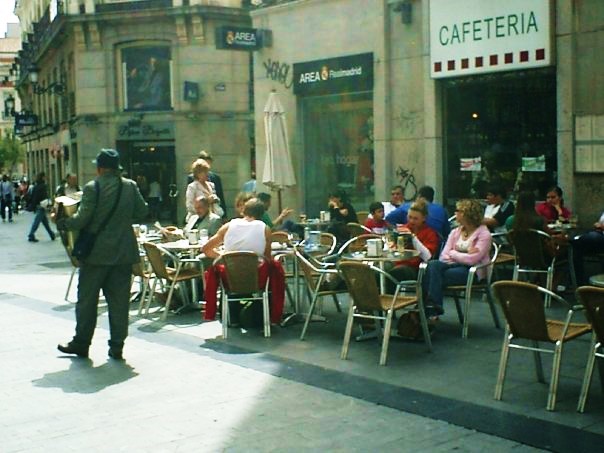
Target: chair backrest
column 362, row 285
column 154, row 254
column 524, row 309
column 280, row 236
column 530, row 248
column 362, row 216
column 592, row 299
column 358, row 243
column 139, row 268
column 329, row 240
column 356, row 229
column 241, row 271
column 310, row 271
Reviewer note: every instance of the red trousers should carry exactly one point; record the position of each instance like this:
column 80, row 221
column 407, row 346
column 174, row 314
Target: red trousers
column 268, row 269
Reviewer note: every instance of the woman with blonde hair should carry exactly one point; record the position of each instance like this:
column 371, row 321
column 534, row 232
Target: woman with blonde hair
column 468, row 244
column 202, row 186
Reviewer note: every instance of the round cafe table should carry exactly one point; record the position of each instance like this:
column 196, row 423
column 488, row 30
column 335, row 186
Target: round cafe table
column 597, row 280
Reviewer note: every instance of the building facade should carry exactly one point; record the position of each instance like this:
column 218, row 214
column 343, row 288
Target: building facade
column 10, row 45
column 457, row 94
column 143, row 76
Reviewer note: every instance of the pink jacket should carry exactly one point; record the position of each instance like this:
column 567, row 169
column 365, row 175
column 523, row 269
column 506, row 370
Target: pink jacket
column 481, row 239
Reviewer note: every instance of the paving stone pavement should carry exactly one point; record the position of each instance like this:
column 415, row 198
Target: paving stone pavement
column 170, row 394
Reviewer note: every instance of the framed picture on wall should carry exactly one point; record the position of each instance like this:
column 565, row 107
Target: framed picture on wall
column 147, row 78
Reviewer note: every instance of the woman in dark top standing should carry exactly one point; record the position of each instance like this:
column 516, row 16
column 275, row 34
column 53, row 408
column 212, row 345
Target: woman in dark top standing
column 341, row 212
column 39, row 193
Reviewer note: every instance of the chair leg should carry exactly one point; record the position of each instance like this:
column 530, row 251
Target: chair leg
column 310, row 312
column 458, row 308
column 466, row 315
column 425, row 330
column 386, row 340
column 538, row 364
column 503, row 363
column 589, row 370
column 553, row 386
column 145, row 285
column 548, row 284
column 337, row 303
column 266, row 315
column 224, row 307
column 347, row 332
column 164, row 315
column 151, row 297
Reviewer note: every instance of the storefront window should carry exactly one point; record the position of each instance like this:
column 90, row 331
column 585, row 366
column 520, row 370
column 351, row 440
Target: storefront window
column 500, row 128
column 146, row 75
column 338, row 144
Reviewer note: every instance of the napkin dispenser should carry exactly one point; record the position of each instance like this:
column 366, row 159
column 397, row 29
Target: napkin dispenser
column 374, row 247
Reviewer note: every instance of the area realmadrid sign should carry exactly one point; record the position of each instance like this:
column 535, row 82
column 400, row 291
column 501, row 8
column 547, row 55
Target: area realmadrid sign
column 477, row 36
column 238, row 38
column 335, row 75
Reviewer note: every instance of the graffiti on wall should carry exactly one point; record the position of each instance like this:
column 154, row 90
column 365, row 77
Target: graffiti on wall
column 279, row 72
column 407, row 181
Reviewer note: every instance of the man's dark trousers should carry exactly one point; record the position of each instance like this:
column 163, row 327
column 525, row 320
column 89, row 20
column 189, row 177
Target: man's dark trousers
column 115, row 282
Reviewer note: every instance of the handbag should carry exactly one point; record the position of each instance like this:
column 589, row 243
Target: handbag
column 85, row 241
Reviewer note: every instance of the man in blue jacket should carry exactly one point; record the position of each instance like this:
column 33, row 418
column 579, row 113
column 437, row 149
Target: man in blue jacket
column 438, row 219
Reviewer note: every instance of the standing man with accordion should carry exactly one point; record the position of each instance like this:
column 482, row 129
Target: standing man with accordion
column 106, row 249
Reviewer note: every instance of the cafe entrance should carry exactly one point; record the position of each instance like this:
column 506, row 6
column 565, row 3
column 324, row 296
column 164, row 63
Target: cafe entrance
column 149, row 161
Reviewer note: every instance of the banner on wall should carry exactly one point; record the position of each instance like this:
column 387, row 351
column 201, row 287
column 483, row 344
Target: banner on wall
column 477, row 36
column 470, row 164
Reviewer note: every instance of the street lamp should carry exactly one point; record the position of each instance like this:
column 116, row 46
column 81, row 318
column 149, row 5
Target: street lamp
column 9, row 105
column 57, row 88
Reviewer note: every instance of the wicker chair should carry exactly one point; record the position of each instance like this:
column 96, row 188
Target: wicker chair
column 524, row 310
column 356, row 229
column 368, row 303
column 362, row 216
column 592, row 299
column 357, row 243
column 472, row 286
column 143, row 271
column 241, row 269
column 315, row 275
column 173, row 275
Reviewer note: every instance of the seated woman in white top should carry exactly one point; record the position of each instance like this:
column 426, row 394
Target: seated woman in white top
column 245, row 234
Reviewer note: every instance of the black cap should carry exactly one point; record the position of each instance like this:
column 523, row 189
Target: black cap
column 108, row 158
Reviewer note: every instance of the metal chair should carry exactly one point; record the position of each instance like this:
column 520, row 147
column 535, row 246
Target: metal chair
column 241, row 270
column 357, row 243
column 282, row 237
column 592, row 299
column 315, row 275
column 156, row 254
column 524, row 310
column 534, row 253
column 356, row 229
column 472, row 285
column 366, row 299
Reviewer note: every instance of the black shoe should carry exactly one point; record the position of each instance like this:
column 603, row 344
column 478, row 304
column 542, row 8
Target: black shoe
column 32, row 239
column 53, row 236
column 71, row 348
column 116, row 354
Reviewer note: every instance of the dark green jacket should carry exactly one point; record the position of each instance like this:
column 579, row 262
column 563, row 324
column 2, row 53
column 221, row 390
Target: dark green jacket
column 116, row 244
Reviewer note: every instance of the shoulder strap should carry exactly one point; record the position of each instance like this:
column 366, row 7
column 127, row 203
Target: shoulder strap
column 115, row 203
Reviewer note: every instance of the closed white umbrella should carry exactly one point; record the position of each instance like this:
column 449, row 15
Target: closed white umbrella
column 278, row 170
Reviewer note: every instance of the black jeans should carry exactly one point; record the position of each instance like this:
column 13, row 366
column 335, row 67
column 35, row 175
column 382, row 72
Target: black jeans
column 587, row 244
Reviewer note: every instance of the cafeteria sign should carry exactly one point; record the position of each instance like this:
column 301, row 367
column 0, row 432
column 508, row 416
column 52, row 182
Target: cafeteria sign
column 334, row 75
column 238, row 38
column 477, row 36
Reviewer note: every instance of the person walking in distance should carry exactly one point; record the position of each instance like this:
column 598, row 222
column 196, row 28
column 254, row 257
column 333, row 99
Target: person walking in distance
column 39, row 194
column 6, row 200
column 110, row 205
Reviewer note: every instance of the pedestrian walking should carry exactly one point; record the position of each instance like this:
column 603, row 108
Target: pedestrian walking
column 110, row 205
column 6, row 194
column 39, row 198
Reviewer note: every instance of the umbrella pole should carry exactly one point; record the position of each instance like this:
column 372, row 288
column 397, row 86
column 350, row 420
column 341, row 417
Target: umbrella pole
column 279, row 201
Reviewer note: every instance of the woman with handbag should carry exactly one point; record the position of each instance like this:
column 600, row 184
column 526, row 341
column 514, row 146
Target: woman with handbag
column 39, row 197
